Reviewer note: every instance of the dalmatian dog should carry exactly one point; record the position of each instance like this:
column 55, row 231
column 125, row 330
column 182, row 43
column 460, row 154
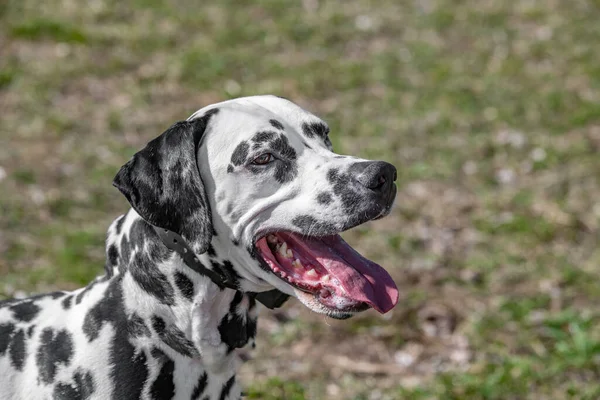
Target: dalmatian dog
column 241, row 203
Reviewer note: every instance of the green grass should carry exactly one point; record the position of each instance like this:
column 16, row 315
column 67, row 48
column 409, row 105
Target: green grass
column 489, row 110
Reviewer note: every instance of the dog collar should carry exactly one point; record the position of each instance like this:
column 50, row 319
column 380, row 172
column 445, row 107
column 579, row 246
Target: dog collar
column 271, row 299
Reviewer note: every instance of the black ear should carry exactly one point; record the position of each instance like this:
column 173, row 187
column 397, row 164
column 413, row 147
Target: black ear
column 163, row 184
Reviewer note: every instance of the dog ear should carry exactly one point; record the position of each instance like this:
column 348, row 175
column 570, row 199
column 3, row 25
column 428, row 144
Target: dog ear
column 163, row 184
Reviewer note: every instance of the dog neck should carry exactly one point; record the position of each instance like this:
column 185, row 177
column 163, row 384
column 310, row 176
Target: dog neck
column 180, row 309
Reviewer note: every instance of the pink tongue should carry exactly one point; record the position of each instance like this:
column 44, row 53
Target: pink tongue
column 362, row 279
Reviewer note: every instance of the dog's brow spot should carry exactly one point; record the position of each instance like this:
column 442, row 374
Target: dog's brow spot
column 229, row 168
column 263, row 137
column 240, row 153
column 276, row 124
column 315, row 128
column 282, row 146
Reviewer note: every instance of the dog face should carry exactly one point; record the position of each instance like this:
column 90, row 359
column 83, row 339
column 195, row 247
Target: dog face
column 264, row 188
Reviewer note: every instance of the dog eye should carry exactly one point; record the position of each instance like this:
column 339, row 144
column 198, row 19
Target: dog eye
column 263, row 159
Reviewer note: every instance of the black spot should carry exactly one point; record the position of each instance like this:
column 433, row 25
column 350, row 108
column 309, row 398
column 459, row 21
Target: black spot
column 120, row 224
column 56, row 347
column 173, row 337
column 210, row 113
column 82, row 388
column 343, row 187
column 230, row 272
column 67, row 301
column 234, row 327
column 227, row 388
column 211, row 251
column 53, row 296
column 185, row 285
column 8, row 302
column 147, row 275
column 310, row 226
column 163, row 387
column 229, row 168
column 240, row 153
column 105, row 311
column 6, row 333
column 200, row 387
column 143, row 234
column 113, row 255
column 129, row 370
column 263, row 137
column 82, row 294
column 158, row 354
column 252, row 252
column 285, row 172
column 30, row 331
column 25, row 311
column 125, row 253
column 276, row 124
column 17, row 350
column 282, row 146
column 324, row 198
column 306, row 145
column 315, row 128
column 137, row 327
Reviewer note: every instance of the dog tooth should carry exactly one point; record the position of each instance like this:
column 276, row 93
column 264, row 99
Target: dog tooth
column 312, row 273
column 283, row 249
column 325, row 278
column 289, row 253
column 272, row 239
column 297, row 264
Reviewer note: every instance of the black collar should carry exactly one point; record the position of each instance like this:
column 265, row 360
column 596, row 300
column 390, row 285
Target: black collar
column 271, row 299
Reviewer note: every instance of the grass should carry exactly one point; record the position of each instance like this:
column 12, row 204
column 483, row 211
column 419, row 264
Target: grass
column 489, row 110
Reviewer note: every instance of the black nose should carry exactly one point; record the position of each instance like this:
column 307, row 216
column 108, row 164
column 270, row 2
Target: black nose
column 378, row 176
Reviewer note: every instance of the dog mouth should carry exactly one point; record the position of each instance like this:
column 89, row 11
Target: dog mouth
column 330, row 270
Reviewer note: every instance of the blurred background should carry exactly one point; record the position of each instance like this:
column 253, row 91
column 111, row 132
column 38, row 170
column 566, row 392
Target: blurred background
column 490, row 110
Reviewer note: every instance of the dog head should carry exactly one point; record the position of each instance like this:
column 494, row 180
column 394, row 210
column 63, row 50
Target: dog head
column 254, row 181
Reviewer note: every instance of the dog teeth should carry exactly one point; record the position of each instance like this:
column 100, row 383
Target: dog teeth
column 312, row 273
column 325, row 278
column 289, row 254
column 272, row 239
column 283, row 250
column 297, row 264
